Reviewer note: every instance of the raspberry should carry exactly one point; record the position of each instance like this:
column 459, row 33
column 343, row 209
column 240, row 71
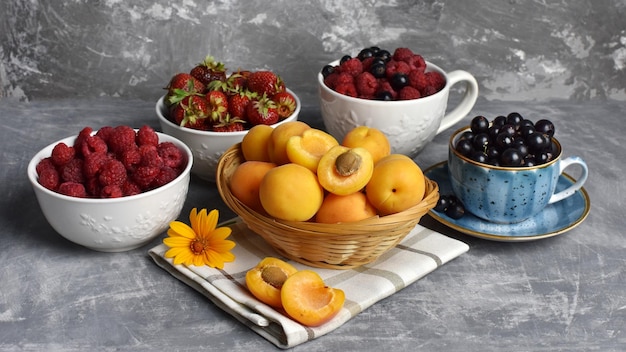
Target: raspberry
column 49, row 178
column 408, row 93
column 146, row 135
column 130, row 158
column 144, row 175
column 82, row 135
column 385, row 86
column 417, row 62
column 150, row 156
column 428, row 90
column 331, row 80
column 347, row 89
column 72, row 189
column 353, row 66
column 44, row 163
column 105, row 132
column 93, row 163
column 436, row 80
column 394, row 67
column 122, row 138
column 92, row 185
column 73, row 171
column 402, row 54
column 166, row 175
column 418, row 80
column 93, row 144
column 62, row 154
column 367, row 63
column 111, row 191
column 113, row 173
column 170, row 154
column 366, row 84
column 130, row 188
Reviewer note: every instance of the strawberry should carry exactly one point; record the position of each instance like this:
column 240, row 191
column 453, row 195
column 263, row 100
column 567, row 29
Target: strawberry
column 228, row 124
column 209, row 70
column 285, row 103
column 237, row 104
column 262, row 111
column 237, row 80
column 191, row 112
column 181, row 85
column 265, row 82
column 218, row 105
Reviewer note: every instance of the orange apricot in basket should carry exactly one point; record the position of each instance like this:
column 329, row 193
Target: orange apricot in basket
column 254, row 143
column 348, row 208
column 308, row 300
column 370, row 138
column 277, row 144
column 266, row 280
column 246, row 181
column 344, row 170
column 291, row 192
column 397, row 184
column 308, row 148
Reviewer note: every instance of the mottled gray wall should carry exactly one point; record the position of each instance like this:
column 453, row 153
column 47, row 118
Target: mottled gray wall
column 517, row 49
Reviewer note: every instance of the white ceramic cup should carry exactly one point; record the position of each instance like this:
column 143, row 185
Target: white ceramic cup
column 408, row 124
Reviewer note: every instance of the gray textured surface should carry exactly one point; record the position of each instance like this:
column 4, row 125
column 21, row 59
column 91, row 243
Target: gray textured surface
column 559, row 294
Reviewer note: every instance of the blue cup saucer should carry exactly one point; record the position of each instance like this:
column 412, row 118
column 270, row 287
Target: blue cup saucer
column 554, row 219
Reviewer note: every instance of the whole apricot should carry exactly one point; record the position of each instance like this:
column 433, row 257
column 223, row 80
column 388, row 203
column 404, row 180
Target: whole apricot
column 308, row 300
column 291, row 192
column 397, row 184
column 246, row 181
column 254, row 143
column 348, row 208
column 370, row 138
column 308, row 148
column 266, row 280
column 344, row 170
column 277, row 144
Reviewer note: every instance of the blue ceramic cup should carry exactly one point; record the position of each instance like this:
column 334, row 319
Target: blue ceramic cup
column 509, row 194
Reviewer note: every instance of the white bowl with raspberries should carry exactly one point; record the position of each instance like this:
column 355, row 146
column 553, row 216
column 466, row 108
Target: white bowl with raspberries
column 115, row 205
column 399, row 93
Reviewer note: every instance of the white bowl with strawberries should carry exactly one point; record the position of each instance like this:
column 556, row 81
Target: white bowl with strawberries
column 210, row 109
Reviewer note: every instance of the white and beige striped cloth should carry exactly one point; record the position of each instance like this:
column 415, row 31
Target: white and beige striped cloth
column 419, row 253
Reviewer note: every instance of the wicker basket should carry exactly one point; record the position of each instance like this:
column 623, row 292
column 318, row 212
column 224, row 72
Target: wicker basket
column 334, row 246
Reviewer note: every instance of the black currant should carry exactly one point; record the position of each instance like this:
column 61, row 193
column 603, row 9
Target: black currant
column 383, row 54
column 378, row 69
column 511, row 157
column 464, row 147
column 365, row 53
column 545, row 126
column 399, row 81
column 514, row 119
column 479, row 124
column 344, row 59
column 384, row 95
column 327, row 70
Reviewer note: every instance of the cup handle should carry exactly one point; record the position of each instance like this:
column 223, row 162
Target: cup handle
column 577, row 185
column 466, row 104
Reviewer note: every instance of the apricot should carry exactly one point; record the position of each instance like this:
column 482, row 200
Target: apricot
column 397, row 184
column 277, row 143
column 254, row 143
column 291, row 192
column 308, row 300
column 308, row 148
column 348, row 208
column 246, row 181
column 266, row 280
column 370, row 138
column 343, row 170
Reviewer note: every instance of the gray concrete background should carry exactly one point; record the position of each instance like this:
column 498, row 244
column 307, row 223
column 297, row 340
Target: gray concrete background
column 518, row 50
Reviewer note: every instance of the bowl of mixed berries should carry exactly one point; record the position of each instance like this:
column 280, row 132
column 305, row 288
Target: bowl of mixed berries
column 397, row 92
column 211, row 109
column 114, row 189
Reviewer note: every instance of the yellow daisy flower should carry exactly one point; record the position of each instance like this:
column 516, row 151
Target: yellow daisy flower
column 201, row 244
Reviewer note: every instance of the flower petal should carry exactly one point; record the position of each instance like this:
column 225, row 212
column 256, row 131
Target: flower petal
column 177, row 241
column 221, row 233
column 178, row 228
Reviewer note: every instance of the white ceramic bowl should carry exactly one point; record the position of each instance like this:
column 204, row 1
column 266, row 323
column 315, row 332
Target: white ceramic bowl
column 207, row 147
column 116, row 224
column 408, row 124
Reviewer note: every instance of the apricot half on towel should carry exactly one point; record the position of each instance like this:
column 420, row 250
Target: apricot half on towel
column 266, row 279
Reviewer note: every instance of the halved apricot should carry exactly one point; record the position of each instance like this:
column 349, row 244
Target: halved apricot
column 344, row 170
column 267, row 278
column 308, row 300
column 308, row 148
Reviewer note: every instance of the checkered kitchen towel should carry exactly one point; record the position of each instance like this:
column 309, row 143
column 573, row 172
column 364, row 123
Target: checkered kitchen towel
column 419, row 253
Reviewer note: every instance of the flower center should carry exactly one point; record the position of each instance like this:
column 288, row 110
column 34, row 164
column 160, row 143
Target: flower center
column 197, row 246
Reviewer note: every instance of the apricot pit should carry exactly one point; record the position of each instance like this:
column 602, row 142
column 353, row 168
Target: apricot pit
column 344, row 170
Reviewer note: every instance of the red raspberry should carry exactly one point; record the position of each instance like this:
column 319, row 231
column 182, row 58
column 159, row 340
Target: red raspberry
column 436, row 80
column 366, row 84
column 92, row 185
column 146, row 135
column 428, row 90
column 82, row 135
column 150, row 156
column 93, row 144
column 408, row 93
column 418, row 80
column 113, row 173
column 62, row 154
column 44, row 163
column 367, row 63
column 130, row 158
column 417, row 62
column 73, row 189
column 49, row 178
column 111, row 191
column 105, row 132
column 73, row 171
column 122, row 138
column 144, row 175
column 385, row 86
column 353, row 66
column 93, row 163
column 346, row 89
column 170, row 154
column 331, row 80
column 394, row 67
column 402, row 54
column 165, row 176
column 344, row 78
column 130, row 188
